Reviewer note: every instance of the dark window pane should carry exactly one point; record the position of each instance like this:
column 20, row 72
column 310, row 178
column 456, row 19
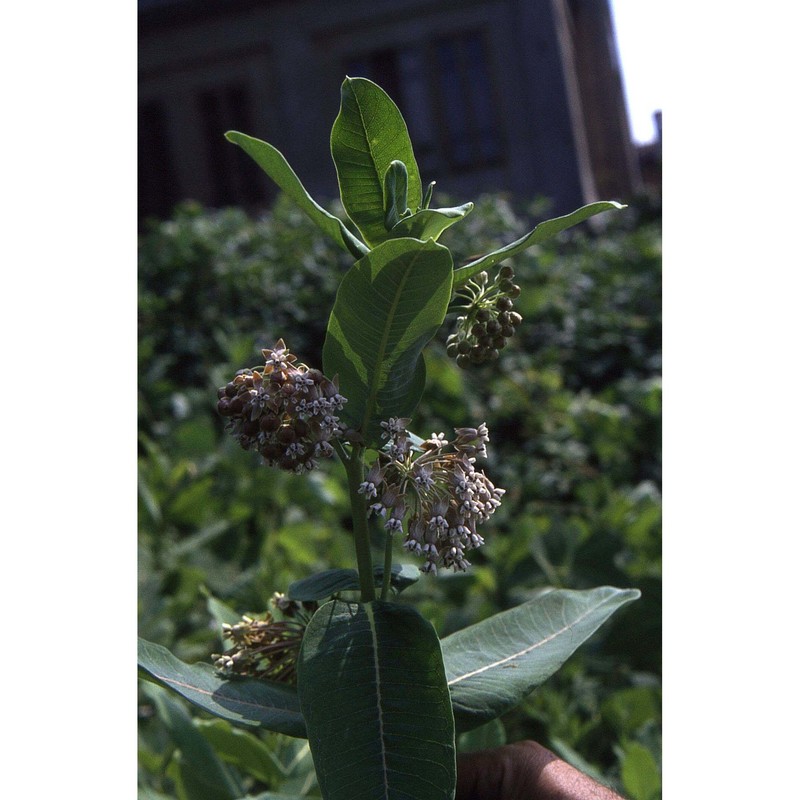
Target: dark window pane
column 417, row 108
column 157, row 185
column 483, row 113
column 444, row 91
column 453, row 103
column 230, row 171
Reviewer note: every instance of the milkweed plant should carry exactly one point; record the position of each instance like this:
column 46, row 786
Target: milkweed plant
column 379, row 696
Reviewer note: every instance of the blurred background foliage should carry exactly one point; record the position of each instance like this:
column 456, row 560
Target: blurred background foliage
column 573, row 408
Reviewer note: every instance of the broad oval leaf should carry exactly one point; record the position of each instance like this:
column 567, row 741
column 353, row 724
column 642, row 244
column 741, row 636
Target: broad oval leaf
column 249, row 702
column 329, row 582
column 430, row 223
column 389, row 305
column 368, row 134
column 541, row 233
column 493, row 665
column 373, row 692
column 273, row 162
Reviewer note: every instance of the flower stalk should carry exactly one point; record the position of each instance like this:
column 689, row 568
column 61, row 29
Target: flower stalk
column 354, row 467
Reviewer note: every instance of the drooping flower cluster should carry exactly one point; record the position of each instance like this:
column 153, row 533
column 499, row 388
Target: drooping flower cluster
column 266, row 648
column 432, row 493
column 285, row 411
column 489, row 319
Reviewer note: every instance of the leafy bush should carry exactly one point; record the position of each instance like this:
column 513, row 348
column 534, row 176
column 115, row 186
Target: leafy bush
column 574, row 410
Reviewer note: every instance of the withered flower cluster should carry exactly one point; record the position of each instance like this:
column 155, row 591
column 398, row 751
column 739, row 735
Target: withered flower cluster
column 266, row 648
column 285, row 411
column 488, row 321
column 433, row 493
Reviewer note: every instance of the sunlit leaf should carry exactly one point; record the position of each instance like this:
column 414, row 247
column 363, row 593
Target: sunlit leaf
column 395, row 194
column 277, row 167
column 389, row 305
column 493, row 665
column 640, row 774
column 367, row 136
column 541, row 233
column 430, row 223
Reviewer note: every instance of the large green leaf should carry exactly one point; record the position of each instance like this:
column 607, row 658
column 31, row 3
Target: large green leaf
column 373, row 692
column 493, row 665
column 249, row 702
column 368, row 134
column 273, row 162
column 541, row 233
column 389, row 305
column 202, row 775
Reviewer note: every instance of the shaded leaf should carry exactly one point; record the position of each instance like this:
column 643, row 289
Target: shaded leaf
column 368, row 134
column 325, row 584
column 273, row 162
column 247, row 702
column 203, row 775
column 242, row 749
column 485, row 737
column 373, row 692
column 493, row 665
column 389, row 305
column 541, row 233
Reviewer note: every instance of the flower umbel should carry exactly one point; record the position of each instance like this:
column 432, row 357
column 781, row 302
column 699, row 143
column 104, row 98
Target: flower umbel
column 285, row 411
column 266, row 648
column 488, row 320
column 436, row 489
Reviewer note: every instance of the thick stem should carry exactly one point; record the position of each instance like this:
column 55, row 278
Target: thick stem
column 387, row 567
column 358, row 503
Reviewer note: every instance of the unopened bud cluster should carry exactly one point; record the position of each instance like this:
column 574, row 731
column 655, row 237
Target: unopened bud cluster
column 433, row 494
column 266, row 648
column 285, row 411
column 490, row 320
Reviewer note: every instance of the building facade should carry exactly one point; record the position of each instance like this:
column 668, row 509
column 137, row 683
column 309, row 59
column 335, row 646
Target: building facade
column 517, row 95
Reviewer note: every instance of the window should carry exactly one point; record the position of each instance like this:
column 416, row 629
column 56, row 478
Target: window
column 157, row 183
column 231, row 177
column 445, row 93
column 467, row 100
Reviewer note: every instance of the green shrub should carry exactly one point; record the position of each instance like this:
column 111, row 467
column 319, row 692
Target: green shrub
column 574, row 407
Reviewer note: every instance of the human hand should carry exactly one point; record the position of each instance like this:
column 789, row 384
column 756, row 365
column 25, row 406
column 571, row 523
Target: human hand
column 524, row 771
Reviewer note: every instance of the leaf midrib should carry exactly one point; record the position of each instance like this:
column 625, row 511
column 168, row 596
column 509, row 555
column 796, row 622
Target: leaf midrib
column 366, row 136
column 374, row 386
column 374, row 634
column 207, row 692
column 525, row 650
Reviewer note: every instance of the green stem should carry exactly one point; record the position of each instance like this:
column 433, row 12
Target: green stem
column 387, row 567
column 358, row 503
